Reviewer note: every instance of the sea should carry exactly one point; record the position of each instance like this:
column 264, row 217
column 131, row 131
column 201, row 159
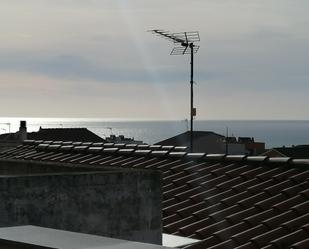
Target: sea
column 274, row 133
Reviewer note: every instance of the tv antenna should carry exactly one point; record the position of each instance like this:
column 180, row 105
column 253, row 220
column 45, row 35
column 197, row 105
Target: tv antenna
column 184, row 44
column 8, row 124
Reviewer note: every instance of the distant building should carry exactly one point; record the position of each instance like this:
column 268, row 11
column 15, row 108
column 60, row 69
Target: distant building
column 65, row 134
column 122, row 139
column 203, row 141
column 252, row 147
column 206, row 142
column 11, row 140
column 297, row 152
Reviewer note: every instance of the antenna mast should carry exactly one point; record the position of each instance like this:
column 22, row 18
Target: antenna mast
column 184, row 45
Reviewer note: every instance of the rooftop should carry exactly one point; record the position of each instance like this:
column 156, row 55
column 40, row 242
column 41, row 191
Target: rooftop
column 223, row 200
column 299, row 151
column 183, row 139
column 65, row 134
column 56, row 134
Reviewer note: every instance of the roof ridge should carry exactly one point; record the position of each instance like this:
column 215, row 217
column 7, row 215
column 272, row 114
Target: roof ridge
column 175, row 152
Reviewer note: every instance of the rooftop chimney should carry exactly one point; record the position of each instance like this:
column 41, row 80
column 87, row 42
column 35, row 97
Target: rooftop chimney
column 22, row 131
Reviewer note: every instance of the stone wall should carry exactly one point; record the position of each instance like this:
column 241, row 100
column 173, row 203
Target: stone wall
column 124, row 204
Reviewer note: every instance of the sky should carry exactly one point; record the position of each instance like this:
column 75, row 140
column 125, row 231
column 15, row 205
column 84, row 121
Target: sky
column 95, row 58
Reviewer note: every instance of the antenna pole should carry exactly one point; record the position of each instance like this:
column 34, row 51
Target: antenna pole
column 185, row 45
column 192, row 114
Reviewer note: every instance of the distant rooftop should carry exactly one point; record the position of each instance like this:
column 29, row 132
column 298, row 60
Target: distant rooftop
column 299, row 151
column 183, row 139
column 56, row 134
column 65, row 134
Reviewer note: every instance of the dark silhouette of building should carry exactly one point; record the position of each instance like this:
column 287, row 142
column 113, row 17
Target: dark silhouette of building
column 298, row 151
column 10, row 140
column 65, row 134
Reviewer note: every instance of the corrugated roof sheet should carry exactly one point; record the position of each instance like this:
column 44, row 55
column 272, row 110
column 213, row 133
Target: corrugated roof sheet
column 224, row 201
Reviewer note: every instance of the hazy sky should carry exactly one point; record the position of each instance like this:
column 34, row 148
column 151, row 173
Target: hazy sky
column 94, row 58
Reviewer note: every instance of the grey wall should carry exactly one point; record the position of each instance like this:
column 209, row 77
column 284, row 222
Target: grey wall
column 123, row 204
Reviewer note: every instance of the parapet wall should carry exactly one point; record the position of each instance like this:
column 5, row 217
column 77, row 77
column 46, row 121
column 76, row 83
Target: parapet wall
column 123, row 204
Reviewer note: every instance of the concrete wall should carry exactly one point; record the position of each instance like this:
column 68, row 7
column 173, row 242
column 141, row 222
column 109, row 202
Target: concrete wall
column 123, row 204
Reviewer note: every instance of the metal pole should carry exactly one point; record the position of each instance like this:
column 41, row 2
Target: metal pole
column 191, row 100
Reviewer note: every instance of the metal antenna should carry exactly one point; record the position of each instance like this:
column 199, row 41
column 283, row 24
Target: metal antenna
column 184, row 45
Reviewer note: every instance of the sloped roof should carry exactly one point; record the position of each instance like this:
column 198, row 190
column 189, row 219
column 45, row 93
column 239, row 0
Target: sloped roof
column 299, row 151
column 65, row 134
column 183, row 139
column 8, row 137
column 224, row 201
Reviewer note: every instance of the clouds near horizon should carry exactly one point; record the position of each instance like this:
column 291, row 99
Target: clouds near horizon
column 254, row 58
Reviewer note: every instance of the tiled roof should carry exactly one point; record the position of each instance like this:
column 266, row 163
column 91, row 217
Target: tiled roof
column 224, row 201
column 299, row 151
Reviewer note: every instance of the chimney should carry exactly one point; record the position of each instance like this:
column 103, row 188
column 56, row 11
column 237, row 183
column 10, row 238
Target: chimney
column 22, row 131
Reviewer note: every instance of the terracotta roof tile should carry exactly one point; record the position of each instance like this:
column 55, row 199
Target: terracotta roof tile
column 251, row 173
column 170, row 219
column 245, row 236
column 174, row 208
column 226, row 233
column 260, row 186
column 267, row 203
column 277, row 220
column 287, row 240
column 239, row 216
column 221, row 214
column 208, row 210
column 301, row 208
column 269, row 173
column 303, row 244
column 169, row 202
column 263, row 239
column 99, row 160
column 189, row 209
column 217, row 197
column 210, row 229
column 172, row 191
column 296, row 223
column 250, row 201
column 188, row 193
column 231, row 200
column 274, row 189
column 227, row 184
column 224, row 245
column 249, row 245
column 195, row 226
column 288, row 203
column 173, row 227
column 258, row 217
column 204, row 243
column 295, row 189
column 246, row 184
